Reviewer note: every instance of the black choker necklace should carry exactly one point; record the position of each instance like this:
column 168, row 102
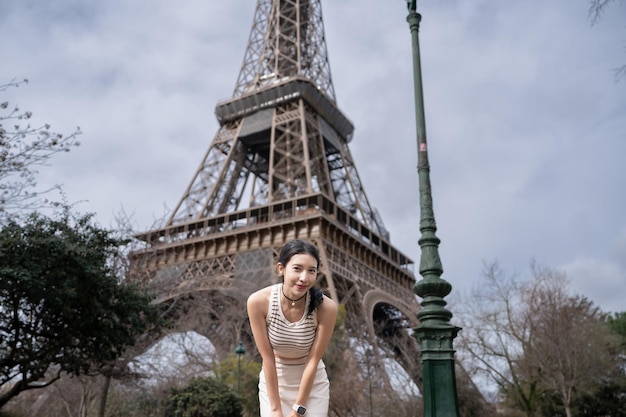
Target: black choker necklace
column 293, row 302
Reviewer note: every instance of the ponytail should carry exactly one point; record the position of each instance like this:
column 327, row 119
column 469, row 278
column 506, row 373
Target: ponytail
column 317, row 297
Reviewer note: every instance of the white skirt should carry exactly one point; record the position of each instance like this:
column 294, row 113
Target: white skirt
column 289, row 376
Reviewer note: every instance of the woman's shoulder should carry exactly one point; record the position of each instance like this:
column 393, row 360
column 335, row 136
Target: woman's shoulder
column 260, row 296
column 258, row 302
column 330, row 302
column 328, row 308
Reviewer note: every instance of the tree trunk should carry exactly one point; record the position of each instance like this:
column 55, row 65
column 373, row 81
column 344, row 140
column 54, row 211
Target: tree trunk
column 11, row 392
column 104, row 395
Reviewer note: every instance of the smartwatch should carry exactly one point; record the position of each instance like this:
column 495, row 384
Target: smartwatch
column 300, row 409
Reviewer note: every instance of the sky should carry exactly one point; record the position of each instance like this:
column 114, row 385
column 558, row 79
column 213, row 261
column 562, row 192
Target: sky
column 524, row 118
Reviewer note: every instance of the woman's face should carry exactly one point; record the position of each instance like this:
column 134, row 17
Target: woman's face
column 299, row 274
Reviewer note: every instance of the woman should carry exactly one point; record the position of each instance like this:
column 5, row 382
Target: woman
column 292, row 323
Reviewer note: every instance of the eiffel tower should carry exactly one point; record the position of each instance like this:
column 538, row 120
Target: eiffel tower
column 280, row 168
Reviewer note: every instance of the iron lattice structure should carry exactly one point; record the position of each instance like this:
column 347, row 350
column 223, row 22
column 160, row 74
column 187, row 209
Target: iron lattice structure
column 280, row 168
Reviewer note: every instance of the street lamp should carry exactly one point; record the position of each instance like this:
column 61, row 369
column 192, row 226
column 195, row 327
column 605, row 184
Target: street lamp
column 435, row 333
column 240, row 351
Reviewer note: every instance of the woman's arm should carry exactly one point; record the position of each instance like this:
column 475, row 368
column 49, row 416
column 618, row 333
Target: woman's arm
column 326, row 317
column 257, row 312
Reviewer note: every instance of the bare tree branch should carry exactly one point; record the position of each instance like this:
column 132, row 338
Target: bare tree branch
column 596, row 9
column 23, row 148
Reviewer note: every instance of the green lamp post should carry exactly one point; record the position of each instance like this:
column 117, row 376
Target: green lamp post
column 435, row 333
column 240, row 351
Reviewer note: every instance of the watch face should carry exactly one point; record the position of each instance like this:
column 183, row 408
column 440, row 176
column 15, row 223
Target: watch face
column 301, row 410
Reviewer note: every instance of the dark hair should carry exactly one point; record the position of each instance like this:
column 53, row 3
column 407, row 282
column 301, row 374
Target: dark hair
column 297, row 247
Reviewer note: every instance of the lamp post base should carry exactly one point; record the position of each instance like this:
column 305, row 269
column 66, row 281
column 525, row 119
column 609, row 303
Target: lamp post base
column 440, row 395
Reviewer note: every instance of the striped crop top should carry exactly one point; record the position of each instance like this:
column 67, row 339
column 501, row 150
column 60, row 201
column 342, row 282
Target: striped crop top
column 289, row 340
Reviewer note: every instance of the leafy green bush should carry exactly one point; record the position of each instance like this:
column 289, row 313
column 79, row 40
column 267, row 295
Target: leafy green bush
column 203, row 397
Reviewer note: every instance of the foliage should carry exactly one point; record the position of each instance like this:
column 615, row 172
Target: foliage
column 609, row 398
column 22, row 149
column 571, row 348
column 242, row 376
column 142, row 402
column 203, row 397
column 62, row 308
column 470, row 400
column 606, row 401
column 617, row 324
column 495, row 333
column 540, row 345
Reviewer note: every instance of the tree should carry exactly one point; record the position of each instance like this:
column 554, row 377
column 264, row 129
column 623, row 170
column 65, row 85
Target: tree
column 203, row 397
column 534, row 340
column 22, row 149
column 617, row 324
column 609, row 399
column 495, row 334
column 62, row 308
column 571, row 347
column 596, row 10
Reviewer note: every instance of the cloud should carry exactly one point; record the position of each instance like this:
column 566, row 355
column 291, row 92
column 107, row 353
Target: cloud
column 598, row 279
column 524, row 120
